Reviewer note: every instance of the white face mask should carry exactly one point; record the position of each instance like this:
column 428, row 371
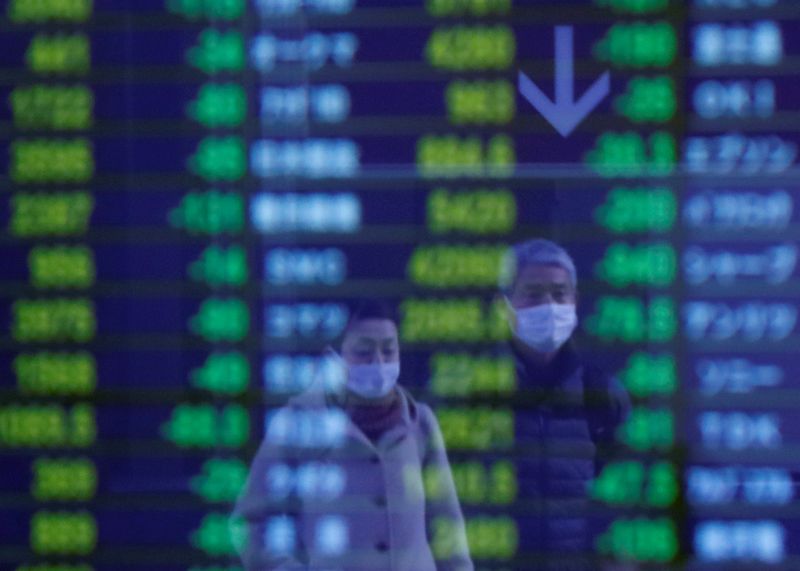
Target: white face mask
column 545, row 327
column 373, row 380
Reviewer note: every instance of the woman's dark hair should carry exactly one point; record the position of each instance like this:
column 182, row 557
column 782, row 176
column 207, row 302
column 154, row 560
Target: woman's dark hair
column 366, row 309
column 369, row 309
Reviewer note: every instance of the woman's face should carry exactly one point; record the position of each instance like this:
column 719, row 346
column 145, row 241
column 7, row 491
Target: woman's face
column 371, row 341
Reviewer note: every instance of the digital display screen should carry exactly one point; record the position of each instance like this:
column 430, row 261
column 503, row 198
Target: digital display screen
column 572, row 226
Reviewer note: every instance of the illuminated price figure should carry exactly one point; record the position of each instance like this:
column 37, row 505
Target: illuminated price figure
column 641, row 539
column 219, row 159
column 61, row 267
column 217, row 52
column 476, row 428
column 651, row 265
column 452, row 155
column 632, row 483
column 55, row 374
column 41, row 161
column 211, row 212
column 53, row 320
column 647, row 375
column 639, row 45
column 202, row 426
column 638, row 210
column 45, row 215
column 43, row 11
column 471, row 48
column 479, row 211
column 465, row 375
column 58, row 108
column 219, row 105
column 480, row 102
column 458, row 320
column 220, row 266
column 476, row 483
column 63, row 533
column 221, row 320
column 648, row 429
column 634, row 6
column 489, row 537
column 225, row 10
column 456, row 266
column 64, row 479
column 476, row 8
column 630, row 320
column 217, row 536
column 648, row 100
column 40, row 426
column 630, row 154
column 220, row 481
column 59, row 54
column 223, row 373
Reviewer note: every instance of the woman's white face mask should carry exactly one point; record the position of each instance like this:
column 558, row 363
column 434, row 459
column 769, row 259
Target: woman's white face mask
column 373, row 380
column 545, row 327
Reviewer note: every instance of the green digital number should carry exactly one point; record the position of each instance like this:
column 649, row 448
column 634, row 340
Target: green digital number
column 212, row 212
column 641, row 540
column 453, row 320
column 639, row 45
column 55, row 374
column 651, row 265
column 630, row 154
column 40, row 11
column 648, row 429
column 52, row 161
column 465, row 48
column 50, row 107
column 221, row 319
column 634, row 6
column 477, row 8
column 476, row 428
column 480, row 102
column 63, row 533
column 636, row 210
column 202, row 426
column 64, row 479
column 53, row 320
column 455, row 266
column 630, row 320
column 220, row 481
column 57, row 214
column 59, row 54
column 464, row 375
column 61, row 267
column 452, row 155
column 484, row 211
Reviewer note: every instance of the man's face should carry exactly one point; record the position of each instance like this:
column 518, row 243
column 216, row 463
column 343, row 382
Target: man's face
column 541, row 284
column 371, row 341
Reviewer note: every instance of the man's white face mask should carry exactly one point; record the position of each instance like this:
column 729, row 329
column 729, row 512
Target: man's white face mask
column 545, row 327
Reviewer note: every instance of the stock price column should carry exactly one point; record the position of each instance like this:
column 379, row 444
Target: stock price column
column 47, row 420
column 452, row 318
column 214, row 420
column 633, row 295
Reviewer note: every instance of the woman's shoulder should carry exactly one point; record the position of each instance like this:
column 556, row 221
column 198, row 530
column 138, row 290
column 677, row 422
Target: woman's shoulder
column 420, row 414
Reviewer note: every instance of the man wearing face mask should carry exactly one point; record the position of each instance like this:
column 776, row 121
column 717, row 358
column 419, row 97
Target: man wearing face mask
column 571, row 409
column 338, row 481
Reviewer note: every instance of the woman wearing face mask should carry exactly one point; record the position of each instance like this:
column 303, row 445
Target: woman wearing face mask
column 569, row 409
column 338, row 481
